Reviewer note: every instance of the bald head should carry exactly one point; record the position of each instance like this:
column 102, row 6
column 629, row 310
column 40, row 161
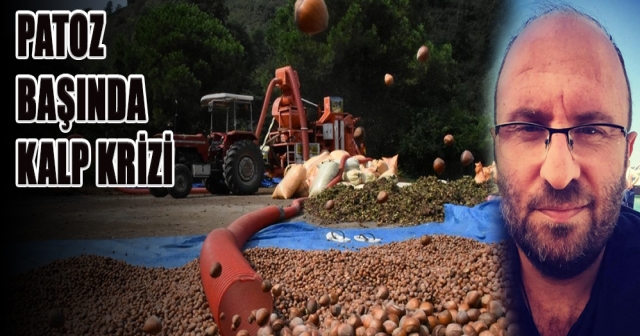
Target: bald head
column 563, row 60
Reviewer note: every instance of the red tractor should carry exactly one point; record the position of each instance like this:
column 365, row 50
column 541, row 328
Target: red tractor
column 232, row 161
column 227, row 161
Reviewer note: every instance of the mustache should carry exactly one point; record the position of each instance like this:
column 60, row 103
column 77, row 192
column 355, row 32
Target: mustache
column 549, row 197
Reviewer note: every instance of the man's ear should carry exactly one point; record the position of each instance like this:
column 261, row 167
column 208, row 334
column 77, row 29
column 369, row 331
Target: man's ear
column 631, row 138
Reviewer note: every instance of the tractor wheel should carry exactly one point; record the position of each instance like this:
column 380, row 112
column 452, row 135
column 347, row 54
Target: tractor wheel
column 243, row 168
column 216, row 185
column 183, row 182
column 159, row 192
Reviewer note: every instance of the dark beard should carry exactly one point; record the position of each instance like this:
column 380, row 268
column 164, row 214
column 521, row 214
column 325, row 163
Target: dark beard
column 571, row 260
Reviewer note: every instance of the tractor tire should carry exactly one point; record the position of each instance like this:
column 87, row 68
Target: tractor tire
column 216, row 185
column 183, row 182
column 159, row 192
column 243, row 168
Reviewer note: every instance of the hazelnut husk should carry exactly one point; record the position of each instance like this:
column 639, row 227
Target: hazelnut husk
column 152, row 325
column 495, row 308
column 423, row 54
column 444, row 317
column 235, row 322
column 468, row 330
column 355, row 321
column 432, row 321
column 389, row 326
column 379, row 313
column 453, row 329
column 266, row 286
column 420, row 315
column 215, row 270
column 277, row 325
column 411, row 324
column 462, row 318
column 439, row 330
column 473, row 314
column 427, row 307
column 312, row 306
column 425, row 240
column 382, row 197
column 329, row 205
column 480, row 326
column 295, row 312
column 266, row 331
column 276, row 290
column 383, row 293
column 473, row 299
column 450, row 305
column 366, row 320
column 345, row 329
column 313, row 319
column 413, row 304
column 262, row 316
column 336, row 309
column 394, row 309
column 487, row 318
column 325, row 300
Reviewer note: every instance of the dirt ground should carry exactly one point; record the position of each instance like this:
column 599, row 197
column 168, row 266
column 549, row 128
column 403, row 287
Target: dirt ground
column 108, row 213
column 100, row 213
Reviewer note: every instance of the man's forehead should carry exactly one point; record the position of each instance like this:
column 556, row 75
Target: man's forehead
column 561, row 23
column 560, row 45
column 559, row 37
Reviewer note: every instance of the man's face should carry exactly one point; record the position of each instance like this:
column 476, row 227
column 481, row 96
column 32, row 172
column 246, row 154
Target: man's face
column 560, row 208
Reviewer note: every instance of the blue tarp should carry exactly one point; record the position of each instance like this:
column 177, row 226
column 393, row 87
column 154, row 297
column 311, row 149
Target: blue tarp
column 482, row 222
column 166, row 252
column 268, row 182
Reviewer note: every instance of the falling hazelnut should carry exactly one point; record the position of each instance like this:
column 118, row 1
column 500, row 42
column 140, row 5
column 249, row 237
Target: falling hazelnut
column 215, row 270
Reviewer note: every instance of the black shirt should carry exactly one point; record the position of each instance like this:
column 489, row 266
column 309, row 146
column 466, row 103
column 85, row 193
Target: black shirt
column 614, row 305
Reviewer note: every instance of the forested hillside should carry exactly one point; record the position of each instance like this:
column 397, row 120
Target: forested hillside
column 186, row 49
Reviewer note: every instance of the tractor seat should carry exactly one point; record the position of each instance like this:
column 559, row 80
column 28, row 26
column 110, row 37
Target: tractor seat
column 216, row 137
column 215, row 141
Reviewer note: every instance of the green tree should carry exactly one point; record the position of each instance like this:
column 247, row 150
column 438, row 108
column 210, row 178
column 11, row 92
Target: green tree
column 109, row 8
column 216, row 8
column 367, row 39
column 184, row 53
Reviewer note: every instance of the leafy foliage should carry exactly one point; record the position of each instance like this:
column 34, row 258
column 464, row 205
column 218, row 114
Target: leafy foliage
column 184, row 54
column 421, row 202
column 367, row 39
column 190, row 48
column 253, row 15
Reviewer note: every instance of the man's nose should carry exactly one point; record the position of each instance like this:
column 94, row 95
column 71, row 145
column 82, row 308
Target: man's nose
column 559, row 167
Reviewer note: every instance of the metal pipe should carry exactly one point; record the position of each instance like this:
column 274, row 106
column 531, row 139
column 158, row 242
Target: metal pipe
column 265, row 105
column 302, row 114
column 308, row 102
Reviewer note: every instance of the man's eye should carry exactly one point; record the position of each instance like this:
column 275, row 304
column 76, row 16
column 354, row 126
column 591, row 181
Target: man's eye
column 527, row 129
column 590, row 130
column 532, row 129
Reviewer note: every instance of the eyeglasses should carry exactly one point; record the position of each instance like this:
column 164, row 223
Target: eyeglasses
column 524, row 141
